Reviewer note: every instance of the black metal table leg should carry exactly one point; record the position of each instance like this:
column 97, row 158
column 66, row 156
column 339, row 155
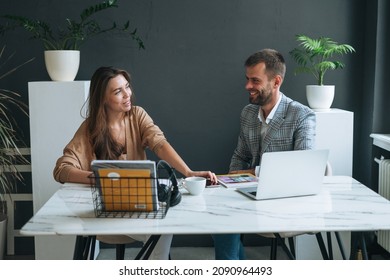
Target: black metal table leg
column 78, row 248
column 92, row 248
column 148, row 247
column 84, row 247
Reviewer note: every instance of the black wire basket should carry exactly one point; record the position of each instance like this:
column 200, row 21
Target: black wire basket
column 128, row 197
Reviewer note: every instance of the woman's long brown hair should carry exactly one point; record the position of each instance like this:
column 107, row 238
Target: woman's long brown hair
column 103, row 144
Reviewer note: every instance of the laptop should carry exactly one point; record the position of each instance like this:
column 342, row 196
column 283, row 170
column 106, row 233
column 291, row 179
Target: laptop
column 126, row 185
column 289, row 174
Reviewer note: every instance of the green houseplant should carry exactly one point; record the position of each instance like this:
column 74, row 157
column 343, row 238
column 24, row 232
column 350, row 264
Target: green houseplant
column 10, row 155
column 68, row 40
column 314, row 56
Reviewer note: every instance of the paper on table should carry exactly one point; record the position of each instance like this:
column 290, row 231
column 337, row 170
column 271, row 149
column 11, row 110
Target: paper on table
column 237, row 180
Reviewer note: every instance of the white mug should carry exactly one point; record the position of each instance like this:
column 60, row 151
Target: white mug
column 194, row 185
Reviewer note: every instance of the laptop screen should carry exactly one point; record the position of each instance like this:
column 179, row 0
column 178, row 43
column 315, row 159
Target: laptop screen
column 291, row 173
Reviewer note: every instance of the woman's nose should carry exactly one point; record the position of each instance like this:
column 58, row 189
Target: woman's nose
column 126, row 94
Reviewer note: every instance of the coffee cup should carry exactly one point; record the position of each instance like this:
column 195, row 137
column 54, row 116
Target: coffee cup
column 194, row 185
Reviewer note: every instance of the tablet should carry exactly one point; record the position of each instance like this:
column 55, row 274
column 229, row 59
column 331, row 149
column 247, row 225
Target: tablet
column 126, row 185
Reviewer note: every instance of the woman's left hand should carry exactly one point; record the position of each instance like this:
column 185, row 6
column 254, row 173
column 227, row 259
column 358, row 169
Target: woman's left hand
column 206, row 174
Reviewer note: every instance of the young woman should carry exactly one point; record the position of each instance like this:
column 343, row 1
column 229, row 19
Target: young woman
column 117, row 129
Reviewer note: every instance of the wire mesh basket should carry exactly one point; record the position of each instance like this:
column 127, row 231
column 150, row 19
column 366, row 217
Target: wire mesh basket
column 128, row 197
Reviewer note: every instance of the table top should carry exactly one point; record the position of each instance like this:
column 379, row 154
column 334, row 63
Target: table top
column 344, row 204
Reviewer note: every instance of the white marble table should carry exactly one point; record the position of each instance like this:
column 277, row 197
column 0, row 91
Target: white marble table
column 343, row 205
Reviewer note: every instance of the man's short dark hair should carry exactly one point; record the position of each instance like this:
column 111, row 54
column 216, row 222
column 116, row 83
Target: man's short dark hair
column 273, row 60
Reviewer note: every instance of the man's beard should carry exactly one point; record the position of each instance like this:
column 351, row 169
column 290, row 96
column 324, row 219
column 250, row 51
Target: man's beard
column 261, row 98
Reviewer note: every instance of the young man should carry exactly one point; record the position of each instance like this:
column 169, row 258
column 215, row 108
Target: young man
column 271, row 122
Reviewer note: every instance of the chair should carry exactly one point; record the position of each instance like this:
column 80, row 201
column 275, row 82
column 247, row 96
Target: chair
column 279, row 238
column 85, row 246
column 119, row 241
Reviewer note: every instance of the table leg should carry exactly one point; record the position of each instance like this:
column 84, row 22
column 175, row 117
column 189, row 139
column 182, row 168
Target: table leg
column 148, row 247
column 84, row 247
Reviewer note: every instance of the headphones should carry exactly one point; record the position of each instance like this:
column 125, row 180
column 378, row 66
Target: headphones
column 166, row 191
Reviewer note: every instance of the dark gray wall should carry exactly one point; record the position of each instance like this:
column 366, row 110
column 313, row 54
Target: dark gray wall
column 191, row 78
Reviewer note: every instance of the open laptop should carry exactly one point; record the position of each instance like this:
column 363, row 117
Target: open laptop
column 289, row 174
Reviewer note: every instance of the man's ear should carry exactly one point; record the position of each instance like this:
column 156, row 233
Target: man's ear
column 278, row 81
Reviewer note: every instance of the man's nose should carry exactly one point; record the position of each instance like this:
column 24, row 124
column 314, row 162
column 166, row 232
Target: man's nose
column 248, row 85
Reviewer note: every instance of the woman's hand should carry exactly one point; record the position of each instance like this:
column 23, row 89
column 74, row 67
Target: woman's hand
column 206, row 174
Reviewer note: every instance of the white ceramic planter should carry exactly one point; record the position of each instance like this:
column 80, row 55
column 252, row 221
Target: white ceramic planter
column 62, row 65
column 320, row 97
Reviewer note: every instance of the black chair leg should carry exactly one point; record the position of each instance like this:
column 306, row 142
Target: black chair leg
column 340, row 243
column 285, row 248
column 330, row 246
column 292, row 246
column 120, row 251
column 274, row 248
column 321, row 243
column 148, row 247
column 324, row 251
column 363, row 246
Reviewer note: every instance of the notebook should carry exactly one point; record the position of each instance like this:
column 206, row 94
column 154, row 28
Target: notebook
column 289, row 174
column 126, row 185
column 237, row 180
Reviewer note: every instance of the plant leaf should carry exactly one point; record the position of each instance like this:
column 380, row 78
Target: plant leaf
column 312, row 55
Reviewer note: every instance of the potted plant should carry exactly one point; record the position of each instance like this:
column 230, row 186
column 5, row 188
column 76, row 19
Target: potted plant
column 314, row 56
column 63, row 44
column 10, row 155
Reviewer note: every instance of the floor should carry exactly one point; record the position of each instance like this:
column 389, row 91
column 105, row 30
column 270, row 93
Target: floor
column 196, row 253
column 179, row 251
column 207, row 253
column 204, row 253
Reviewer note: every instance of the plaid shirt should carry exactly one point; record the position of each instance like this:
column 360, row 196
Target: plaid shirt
column 291, row 128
